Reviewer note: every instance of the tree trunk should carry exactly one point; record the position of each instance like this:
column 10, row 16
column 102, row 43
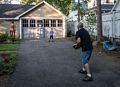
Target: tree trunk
column 78, row 10
column 99, row 21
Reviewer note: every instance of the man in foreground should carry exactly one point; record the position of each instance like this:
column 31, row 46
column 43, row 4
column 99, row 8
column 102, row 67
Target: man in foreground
column 83, row 37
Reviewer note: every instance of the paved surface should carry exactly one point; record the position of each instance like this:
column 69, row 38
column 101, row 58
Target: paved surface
column 56, row 64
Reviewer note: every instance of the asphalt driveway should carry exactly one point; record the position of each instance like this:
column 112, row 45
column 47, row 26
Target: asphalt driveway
column 56, row 64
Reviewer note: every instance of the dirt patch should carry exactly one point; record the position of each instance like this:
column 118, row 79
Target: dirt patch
column 3, row 80
column 115, row 55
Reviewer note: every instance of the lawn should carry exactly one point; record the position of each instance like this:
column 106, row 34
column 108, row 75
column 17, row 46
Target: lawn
column 8, row 47
column 7, row 64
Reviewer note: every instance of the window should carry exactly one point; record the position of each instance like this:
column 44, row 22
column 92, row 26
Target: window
column 39, row 22
column 53, row 23
column 24, row 22
column 32, row 23
column 60, row 22
column 46, row 23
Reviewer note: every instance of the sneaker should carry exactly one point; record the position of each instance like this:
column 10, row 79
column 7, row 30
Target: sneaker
column 87, row 78
column 82, row 72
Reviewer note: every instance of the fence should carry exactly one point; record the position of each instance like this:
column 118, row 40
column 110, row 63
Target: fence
column 111, row 25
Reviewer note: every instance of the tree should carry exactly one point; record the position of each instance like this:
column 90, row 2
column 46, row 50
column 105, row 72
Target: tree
column 99, row 21
column 62, row 5
column 80, row 10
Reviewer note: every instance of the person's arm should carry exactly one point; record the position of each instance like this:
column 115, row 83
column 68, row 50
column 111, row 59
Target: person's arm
column 78, row 40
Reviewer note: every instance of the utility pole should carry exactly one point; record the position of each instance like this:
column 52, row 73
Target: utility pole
column 99, row 21
column 78, row 10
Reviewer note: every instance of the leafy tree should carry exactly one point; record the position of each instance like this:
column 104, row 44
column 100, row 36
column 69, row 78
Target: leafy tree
column 81, row 11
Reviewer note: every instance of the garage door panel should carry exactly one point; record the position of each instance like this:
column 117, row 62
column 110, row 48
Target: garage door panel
column 31, row 33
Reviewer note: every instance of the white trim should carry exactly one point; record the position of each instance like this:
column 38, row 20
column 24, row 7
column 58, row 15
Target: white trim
column 64, row 27
column 9, row 18
column 20, row 28
column 38, row 5
column 40, row 18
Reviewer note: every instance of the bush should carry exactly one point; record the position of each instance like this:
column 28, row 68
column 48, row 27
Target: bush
column 3, row 37
column 13, row 39
column 8, row 68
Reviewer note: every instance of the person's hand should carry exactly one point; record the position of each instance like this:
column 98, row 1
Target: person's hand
column 76, row 45
column 95, row 43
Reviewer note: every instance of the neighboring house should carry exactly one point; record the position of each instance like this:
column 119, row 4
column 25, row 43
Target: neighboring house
column 92, row 26
column 33, row 21
column 111, row 22
column 106, row 7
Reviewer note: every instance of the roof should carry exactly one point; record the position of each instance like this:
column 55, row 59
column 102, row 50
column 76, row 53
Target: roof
column 115, row 5
column 104, row 7
column 13, row 10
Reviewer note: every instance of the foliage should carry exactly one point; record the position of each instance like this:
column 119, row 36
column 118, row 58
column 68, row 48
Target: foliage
column 7, row 68
column 3, row 37
column 13, row 39
column 81, row 10
column 62, row 5
column 91, row 19
column 9, row 50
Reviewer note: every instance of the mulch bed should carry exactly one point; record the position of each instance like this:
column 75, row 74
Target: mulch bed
column 115, row 55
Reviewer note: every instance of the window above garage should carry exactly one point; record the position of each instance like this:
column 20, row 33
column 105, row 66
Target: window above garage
column 42, row 23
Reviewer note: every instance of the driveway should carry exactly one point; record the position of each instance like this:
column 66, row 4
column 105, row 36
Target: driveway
column 56, row 64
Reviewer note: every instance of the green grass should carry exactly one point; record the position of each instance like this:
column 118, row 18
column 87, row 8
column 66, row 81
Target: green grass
column 11, row 50
column 8, row 47
column 8, row 68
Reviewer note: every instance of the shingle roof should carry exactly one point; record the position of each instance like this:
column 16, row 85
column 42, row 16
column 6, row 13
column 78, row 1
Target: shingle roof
column 13, row 10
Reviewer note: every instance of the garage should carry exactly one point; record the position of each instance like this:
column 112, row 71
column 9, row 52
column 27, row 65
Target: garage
column 36, row 29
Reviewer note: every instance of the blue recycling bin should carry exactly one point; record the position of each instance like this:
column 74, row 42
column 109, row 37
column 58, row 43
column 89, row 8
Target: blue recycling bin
column 108, row 45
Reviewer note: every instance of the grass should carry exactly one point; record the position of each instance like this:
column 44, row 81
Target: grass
column 11, row 50
column 8, row 68
column 8, row 47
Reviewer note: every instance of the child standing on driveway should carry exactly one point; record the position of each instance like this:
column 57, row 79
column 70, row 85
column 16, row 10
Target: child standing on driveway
column 51, row 35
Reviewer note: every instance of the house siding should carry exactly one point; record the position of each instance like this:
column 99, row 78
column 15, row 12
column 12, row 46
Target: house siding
column 43, row 11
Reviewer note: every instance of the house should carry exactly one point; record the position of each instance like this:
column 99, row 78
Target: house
column 90, row 13
column 32, row 21
column 111, row 22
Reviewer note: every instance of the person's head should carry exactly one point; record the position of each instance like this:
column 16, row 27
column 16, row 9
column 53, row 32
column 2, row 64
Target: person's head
column 80, row 25
column 51, row 29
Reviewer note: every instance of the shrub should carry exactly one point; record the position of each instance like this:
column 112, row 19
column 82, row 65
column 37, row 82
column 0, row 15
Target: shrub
column 8, row 68
column 13, row 39
column 3, row 37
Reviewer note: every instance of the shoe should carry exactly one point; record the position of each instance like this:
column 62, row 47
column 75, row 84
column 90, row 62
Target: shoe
column 87, row 78
column 82, row 72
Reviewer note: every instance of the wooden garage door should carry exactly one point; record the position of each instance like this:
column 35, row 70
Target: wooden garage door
column 35, row 29
column 31, row 29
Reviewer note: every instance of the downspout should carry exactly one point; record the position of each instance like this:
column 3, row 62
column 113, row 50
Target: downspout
column 20, row 28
